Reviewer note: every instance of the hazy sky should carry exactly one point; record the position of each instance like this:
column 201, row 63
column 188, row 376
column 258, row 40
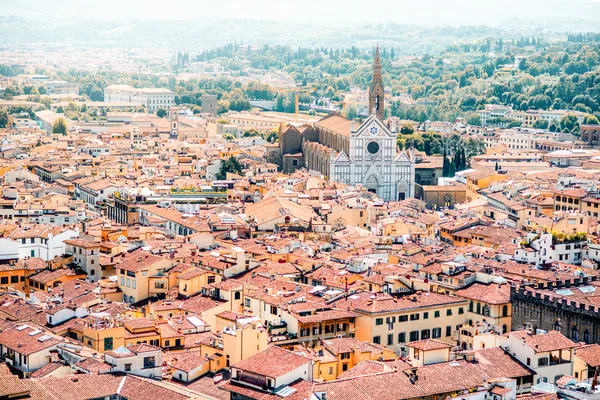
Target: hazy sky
column 454, row 12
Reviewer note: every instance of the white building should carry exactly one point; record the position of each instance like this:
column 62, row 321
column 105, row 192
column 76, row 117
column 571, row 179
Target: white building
column 152, row 98
column 43, row 241
column 374, row 163
column 139, row 359
column 27, row 348
column 549, row 354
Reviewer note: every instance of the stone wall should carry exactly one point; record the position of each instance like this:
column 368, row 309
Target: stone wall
column 579, row 321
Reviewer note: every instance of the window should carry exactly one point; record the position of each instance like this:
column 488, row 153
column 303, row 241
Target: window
column 237, row 295
column 127, row 367
column 449, row 312
column 436, row 314
column 4, row 280
column 93, row 272
column 148, row 362
column 414, row 336
column 122, row 281
column 542, row 361
column 403, row 318
column 159, row 285
column 414, row 317
column 247, row 302
column 505, row 311
column 461, row 310
column 344, row 356
column 390, row 340
column 14, row 279
column 416, row 354
column 448, row 331
column 377, row 339
column 425, row 315
column 425, row 333
column 436, row 333
column 401, row 337
column 345, row 367
column 167, row 343
column 379, row 321
column 108, row 343
column 132, row 283
column 330, row 370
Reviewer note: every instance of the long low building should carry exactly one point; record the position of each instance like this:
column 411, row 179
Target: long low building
column 152, row 98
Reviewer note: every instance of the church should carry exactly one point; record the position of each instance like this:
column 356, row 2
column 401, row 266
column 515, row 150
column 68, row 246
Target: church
column 347, row 152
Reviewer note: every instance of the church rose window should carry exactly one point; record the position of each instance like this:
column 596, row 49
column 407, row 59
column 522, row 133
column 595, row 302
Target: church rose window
column 373, row 147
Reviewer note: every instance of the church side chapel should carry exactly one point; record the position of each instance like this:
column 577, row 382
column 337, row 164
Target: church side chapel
column 347, row 152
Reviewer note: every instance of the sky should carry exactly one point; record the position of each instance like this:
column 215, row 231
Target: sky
column 339, row 12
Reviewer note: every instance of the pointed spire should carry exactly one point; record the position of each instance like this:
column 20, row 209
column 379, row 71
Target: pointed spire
column 377, row 58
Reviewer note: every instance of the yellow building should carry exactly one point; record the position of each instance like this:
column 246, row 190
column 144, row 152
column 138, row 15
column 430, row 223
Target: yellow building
column 142, row 275
column 336, row 356
column 489, row 309
column 480, row 180
column 193, row 280
column 393, row 322
column 103, row 335
column 586, row 361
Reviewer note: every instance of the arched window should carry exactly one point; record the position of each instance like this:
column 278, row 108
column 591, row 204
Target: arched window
column 478, row 308
column 505, row 311
column 471, row 306
column 486, row 310
column 504, row 329
column 586, row 336
column 574, row 334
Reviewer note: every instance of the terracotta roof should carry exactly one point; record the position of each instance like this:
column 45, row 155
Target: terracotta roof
column 336, row 124
column 491, row 294
column 185, row 361
column 590, row 354
column 429, row 344
column 553, row 340
column 273, row 362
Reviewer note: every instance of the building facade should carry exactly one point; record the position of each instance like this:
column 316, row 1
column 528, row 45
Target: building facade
column 374, row 163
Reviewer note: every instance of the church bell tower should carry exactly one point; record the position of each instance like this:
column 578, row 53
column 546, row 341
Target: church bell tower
column 376, row 93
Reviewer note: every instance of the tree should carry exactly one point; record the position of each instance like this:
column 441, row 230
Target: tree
column 540, row 124
column 231, row 165
column 161, row 113
column 59, row 126
column 407, row 129
column 445, row 165
column 228, row 136
column 591, row 120
column 251, row 133
column 271, row 137
column 351, row 111
column 552, row 127
column 568, row 122
column 3, row 118
column 474, row 119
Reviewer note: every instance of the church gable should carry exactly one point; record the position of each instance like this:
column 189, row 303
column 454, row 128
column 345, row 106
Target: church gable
column 373, row 127
column 341, row 158
column 403, row 158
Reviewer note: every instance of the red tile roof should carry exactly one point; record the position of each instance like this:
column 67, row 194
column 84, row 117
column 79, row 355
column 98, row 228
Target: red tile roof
column 273, row 362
